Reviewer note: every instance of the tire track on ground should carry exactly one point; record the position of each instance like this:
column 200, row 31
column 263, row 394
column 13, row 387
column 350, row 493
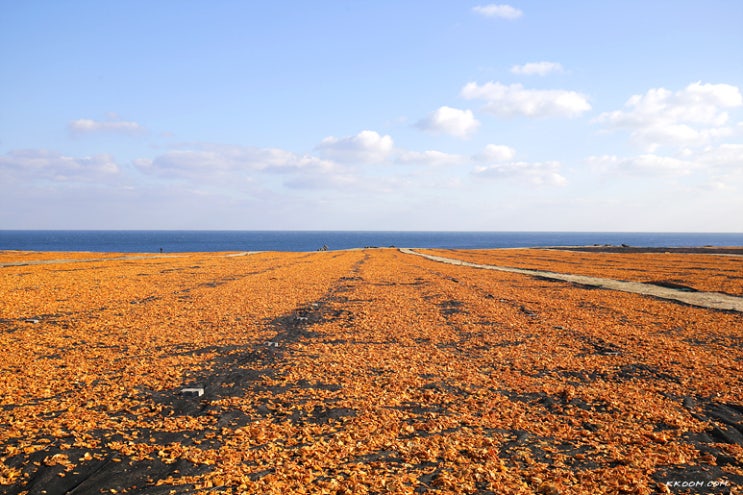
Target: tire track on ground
column 711, row 300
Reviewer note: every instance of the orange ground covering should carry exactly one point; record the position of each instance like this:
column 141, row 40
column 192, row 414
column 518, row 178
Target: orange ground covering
column 21, row 257
column 704, row 272
column 364, row 371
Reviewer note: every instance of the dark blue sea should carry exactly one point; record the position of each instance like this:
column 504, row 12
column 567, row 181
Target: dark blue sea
column 149, row 241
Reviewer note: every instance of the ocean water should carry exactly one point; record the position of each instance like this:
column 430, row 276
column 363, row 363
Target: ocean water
column 150, row 241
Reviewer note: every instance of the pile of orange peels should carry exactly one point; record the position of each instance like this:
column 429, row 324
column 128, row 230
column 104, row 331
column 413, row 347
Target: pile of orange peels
column 364, row 371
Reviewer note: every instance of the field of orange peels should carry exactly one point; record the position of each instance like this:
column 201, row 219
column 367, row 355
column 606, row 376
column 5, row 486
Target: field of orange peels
column 26, row 257
column 357, row 372
column 703, row 272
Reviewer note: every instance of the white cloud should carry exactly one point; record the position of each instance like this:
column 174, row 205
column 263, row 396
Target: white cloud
column 430, row 158
column 537, row 68
column 209, row 162
column 537, row 173
column 725, row 156
column 500, row 11
column 365, row 147
column 693, row 116
column 232, row 169
column 447, row 120
column 514, row 99
column 654, row 136
column 112, row 125
column 312, row 181
column 714, row 168
column 644, row 165
column 51, row 165
column 496, row 153
column 502, row 166
column 716, row 186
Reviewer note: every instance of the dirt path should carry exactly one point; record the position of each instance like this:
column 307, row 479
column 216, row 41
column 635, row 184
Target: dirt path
column 711, row 300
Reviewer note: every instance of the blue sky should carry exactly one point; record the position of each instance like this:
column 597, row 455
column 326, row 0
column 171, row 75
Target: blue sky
column 358, row 115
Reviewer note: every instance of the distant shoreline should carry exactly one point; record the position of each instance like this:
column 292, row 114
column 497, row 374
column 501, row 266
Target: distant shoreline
column 718, row 250
column 305, row 241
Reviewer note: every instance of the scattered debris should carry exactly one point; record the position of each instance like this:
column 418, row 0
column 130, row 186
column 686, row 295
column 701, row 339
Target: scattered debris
column 193, row 392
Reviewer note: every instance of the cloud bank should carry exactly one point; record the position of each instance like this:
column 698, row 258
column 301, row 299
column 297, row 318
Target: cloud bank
column 536, row 173
column 515, row 100
column 365, row 147
column 496, row 153
column 81, row 127
column 537, row 69
column 693, row 116
column 501, row 165
column 429, row 158
column 642, row 165
column 54, row 166
column 499, row 11
column 452, row 121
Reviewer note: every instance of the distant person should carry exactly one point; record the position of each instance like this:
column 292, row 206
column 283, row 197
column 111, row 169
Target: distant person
column 161, row 250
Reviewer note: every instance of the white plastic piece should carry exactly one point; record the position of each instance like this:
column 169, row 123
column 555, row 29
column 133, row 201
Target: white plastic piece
column 193, row 392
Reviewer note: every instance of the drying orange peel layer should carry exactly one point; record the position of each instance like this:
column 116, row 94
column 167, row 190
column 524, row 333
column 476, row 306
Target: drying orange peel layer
column 366, row 371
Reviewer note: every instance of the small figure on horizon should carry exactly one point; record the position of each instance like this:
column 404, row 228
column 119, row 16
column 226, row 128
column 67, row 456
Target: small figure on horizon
column 161, row 250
